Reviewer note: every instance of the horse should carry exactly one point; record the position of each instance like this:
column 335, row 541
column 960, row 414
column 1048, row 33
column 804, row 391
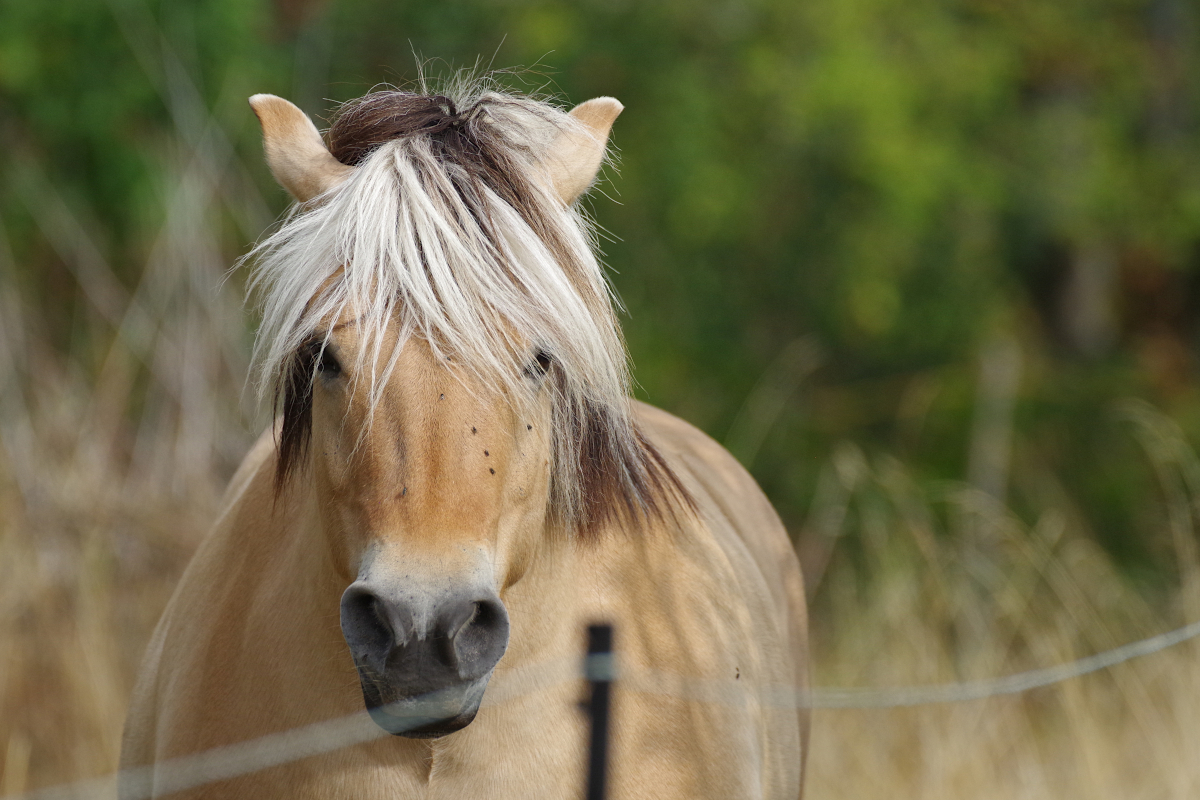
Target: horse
column 456, row 483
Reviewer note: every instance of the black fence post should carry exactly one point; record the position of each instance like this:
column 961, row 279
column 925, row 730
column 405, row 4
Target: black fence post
column 600, row 672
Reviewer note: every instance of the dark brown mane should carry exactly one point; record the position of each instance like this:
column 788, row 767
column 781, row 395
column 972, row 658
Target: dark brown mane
column 359, row 127
column 616, row 489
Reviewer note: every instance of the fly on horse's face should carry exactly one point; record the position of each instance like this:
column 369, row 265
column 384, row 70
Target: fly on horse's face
column 434, row 482
column 433, row 503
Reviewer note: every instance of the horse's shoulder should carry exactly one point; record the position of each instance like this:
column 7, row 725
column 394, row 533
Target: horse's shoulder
column 728, row 499
column 739, row 515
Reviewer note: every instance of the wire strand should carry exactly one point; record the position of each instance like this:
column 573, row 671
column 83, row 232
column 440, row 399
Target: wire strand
column 739, row 693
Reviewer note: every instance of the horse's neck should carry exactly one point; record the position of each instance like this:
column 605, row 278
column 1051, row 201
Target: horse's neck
column 542, row 606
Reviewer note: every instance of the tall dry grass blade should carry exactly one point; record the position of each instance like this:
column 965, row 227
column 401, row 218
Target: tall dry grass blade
column 766, row 401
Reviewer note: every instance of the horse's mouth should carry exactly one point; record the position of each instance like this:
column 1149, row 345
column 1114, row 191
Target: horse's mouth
column 420, row 727
column 424, row 715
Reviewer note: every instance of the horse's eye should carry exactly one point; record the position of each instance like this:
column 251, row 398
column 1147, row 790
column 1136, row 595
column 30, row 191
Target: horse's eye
column 327, row 363
column 539, row 366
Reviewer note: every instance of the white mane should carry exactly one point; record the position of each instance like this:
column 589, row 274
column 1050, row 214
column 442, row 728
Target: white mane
column 412, row 237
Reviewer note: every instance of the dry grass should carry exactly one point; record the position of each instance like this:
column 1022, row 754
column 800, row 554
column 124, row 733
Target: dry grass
column 930, row 608
column 112, row 455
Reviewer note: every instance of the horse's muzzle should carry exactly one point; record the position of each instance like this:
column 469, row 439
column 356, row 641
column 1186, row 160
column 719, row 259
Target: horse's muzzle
column 423, row 662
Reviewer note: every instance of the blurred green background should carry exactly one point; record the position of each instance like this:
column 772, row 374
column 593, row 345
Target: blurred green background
column 963, row 233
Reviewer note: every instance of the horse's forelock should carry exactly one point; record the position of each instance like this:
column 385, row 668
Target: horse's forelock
column 468, row 138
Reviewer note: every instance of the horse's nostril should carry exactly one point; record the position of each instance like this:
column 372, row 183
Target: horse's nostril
column 371, row 625
column 379, row 613
column 483, row 638
column 485, row 616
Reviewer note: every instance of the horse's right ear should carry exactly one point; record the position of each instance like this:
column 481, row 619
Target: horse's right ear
column 296, row 154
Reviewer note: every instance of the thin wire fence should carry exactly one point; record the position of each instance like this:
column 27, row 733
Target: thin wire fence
column 243, row 758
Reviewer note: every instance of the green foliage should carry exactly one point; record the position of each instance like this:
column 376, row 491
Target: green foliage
column 897, row 184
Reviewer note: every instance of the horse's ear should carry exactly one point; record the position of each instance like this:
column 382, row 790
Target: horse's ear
column 296, row 154
column 575, row 157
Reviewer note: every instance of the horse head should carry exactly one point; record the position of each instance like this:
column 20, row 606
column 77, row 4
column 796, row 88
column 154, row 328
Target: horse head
column 448, row 369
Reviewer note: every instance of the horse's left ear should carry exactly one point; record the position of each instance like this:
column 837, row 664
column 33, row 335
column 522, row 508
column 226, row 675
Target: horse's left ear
column 296, row 153
column 575, row 157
